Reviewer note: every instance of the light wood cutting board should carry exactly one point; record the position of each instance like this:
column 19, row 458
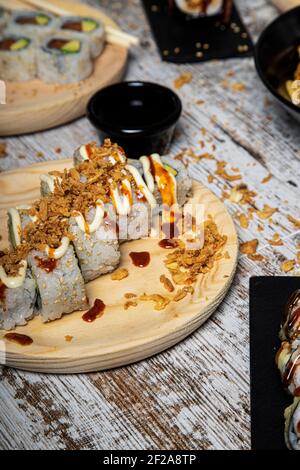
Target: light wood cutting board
column 120, row 336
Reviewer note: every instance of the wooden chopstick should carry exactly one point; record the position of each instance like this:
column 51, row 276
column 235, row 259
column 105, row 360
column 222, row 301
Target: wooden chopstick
column 285, row 5
column 67, row 7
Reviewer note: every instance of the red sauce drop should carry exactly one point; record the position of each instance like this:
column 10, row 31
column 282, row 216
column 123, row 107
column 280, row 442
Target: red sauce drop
column 95, row 311
column 89, row 150
column 141, row 259
column 168, row 243
column 2, row 292
column 23, row 340
column 48, row 264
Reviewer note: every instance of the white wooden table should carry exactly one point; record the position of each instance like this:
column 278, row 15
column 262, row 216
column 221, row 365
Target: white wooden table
column 195, row 395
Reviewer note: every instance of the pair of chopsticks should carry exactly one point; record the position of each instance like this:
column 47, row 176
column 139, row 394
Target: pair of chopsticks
column 68, row 7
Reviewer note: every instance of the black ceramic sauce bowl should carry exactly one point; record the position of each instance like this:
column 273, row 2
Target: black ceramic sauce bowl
column 276, row 56
column 139, row 116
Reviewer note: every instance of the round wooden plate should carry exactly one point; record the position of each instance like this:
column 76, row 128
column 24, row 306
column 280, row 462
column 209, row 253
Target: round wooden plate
column 34, row 105
column 120, row 336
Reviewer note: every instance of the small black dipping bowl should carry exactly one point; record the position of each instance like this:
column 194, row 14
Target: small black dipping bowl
column 276, row 57
column 139, row 116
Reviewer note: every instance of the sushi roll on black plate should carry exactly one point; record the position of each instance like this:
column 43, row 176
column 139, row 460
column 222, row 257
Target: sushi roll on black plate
column 63, row 59
column 292, row 425
column 17, row 291
column 87, row 28
column 17, row 57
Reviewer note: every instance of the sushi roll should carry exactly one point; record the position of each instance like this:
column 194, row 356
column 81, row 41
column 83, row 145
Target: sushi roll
column 290, row 327
column 288, row 363
column 88, row 28
column 17, row 58
column 17, row 291
column 167, row 179
column 32, row 23
column 63, row 60
column 292, row 425
column 55, row 269
column 94, row 236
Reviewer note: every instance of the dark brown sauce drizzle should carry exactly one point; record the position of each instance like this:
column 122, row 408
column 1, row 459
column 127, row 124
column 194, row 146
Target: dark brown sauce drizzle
column 2, row 292
column 26, row 20
column 47, row 265
column 74, row 25
column 95, row 311
column 1, row 253
column 23, row 340
column 168, row 243
column 141, row 259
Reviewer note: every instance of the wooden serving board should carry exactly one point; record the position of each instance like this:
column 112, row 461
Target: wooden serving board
column 34, row 105
column 120, row 336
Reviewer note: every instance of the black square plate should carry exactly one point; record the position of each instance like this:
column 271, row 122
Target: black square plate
column 268, row 296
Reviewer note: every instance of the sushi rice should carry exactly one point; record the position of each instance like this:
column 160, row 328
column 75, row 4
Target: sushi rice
column 17, row 303
column 17, row 58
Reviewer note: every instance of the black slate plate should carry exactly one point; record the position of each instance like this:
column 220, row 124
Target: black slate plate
column 268, row 295
column 177, row 35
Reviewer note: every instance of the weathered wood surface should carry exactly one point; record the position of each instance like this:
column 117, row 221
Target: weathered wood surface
column 195, row 395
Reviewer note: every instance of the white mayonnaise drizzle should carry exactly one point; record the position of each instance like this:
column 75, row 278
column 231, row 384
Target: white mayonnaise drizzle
column 147, row 173
column 95, row 224
column 122, row 202
column 60, row 251
column 50, row 181
column 14, row 281
column 16, row 224
column 141, row 185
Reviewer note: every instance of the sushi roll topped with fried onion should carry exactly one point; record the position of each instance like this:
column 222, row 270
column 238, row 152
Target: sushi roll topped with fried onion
column 290, row 327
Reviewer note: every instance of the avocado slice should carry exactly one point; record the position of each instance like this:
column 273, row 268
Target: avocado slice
column 88, row 25
column 71, row 46
column 170, row 170
column 19, row 44
column 42, row 19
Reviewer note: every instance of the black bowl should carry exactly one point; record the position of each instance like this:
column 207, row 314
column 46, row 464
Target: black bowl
column 139, row 116
column 276, row 56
